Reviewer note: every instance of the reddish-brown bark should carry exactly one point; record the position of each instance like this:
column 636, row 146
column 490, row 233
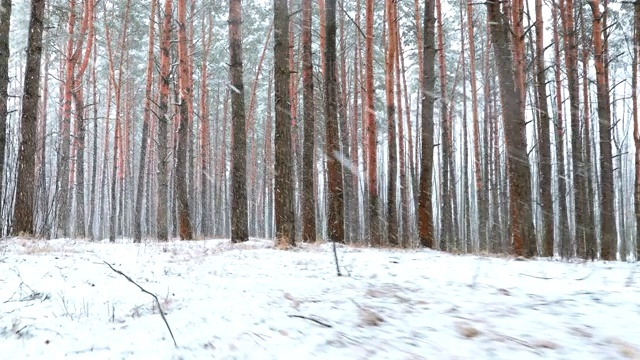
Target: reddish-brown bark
column 185, row 81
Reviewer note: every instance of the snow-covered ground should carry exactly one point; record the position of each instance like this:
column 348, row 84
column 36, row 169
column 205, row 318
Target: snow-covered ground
column 59, row 299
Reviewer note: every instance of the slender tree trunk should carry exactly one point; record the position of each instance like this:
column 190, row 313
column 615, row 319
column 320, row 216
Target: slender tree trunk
column 392, row 210
column 117, row 166
column 404, row 196
column 518, row 170
column 349, row 191
column 425, row 212
column 137, row 233
column 94, row 161
column 636, row 130
column 448, row 182
column 483, row 209
column 23, row 210
column 607, row 214
column 562, row 226
column 588, row 183
column 64, row 159
column 308, row 178
column 80, row 118
column 544, row 144
column 205, row 137
column 184, row 213
column 163, row 122
column 284, row 212
column 571, row 63
column 371, row 130
column 5, row 19
column 239, row 221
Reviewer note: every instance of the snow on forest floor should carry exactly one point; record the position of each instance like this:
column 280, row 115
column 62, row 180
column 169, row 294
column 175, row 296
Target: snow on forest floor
column 223, row 301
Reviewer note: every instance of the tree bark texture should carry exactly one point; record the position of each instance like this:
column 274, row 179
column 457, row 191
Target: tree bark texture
column 23, row 210
column 283, row 197
column 239, row 217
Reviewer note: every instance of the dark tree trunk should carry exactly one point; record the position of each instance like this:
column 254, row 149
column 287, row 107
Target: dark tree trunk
column 335, row 194
column 80, row 140
column 371, row 131
column 163, row 122
column 284, row 214
column 392, row 210
column 308, row 178
column 607, row 214
column 23, row 210
column 545, row 138
column 239, row 221
column 185, row 227
column 425, row 216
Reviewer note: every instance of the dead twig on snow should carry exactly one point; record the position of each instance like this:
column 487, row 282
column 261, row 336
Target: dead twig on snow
column 152, row 295
column 311, row 319
column 537, row 277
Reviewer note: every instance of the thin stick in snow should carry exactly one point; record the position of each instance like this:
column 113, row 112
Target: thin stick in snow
column 152, row 295
column 311, row 319
column 335, row 257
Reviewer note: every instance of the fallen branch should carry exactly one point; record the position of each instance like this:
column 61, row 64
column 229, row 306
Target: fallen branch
column 537, row 277
column 311, row 319
column 152, row 295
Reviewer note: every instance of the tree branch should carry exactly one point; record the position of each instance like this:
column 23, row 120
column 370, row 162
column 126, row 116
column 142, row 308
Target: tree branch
column 152, row 295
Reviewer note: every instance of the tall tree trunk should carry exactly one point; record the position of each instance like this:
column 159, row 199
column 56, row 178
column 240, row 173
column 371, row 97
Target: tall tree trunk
column 5, row 19
column 184, row 213
column 64, row 158
column 163, row 121
column 94, row 160
column 607, row 214
column 483, row 208
column 205, row 137
column 137, row 233
column 562, row 227
column 583, row 232
column 425, row 214
column 308, row 178
column 404, row 196
column 371, row 130
column 636, row 130
column 334, row 168
column 284, row 213
column 466, row 239
column 392, row 172
column 80, row 118
column 239, row 221
column 544, row 144
column 448, row 182
column 518, row 170
column 589, row 169
column 23, row 210
column 350, row 209
column 117, row 166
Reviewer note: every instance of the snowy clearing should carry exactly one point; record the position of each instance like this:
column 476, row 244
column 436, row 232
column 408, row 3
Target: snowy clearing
column 59, row 299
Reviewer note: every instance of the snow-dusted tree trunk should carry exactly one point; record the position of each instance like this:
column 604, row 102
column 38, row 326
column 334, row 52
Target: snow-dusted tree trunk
column 23, row 210
column 239, row 225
